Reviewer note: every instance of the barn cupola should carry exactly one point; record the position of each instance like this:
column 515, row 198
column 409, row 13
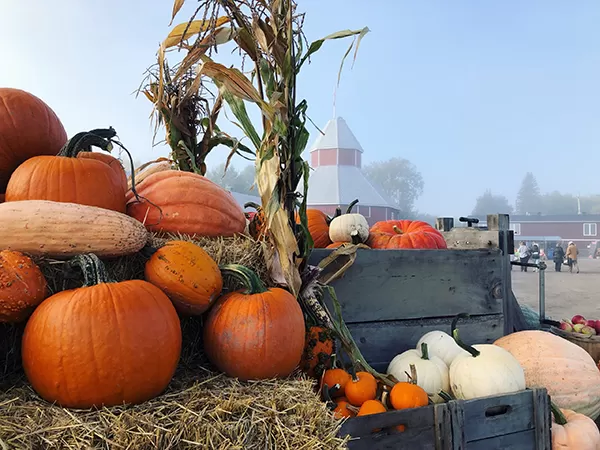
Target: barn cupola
column 337, row 146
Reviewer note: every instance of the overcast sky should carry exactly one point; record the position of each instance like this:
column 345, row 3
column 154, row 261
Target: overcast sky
column 474, row 93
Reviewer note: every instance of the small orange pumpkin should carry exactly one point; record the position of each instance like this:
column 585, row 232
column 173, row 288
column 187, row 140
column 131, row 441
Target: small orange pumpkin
column 334, row 377
column 361, row 387
column 405, row 395
column 318, row 351
column 571, row 430
column 22, row 286
column 341, row 409
column 187, row 274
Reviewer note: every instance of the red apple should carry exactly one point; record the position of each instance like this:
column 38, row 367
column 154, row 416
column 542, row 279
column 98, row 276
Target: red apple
column 566, row 326
column 597, row 327
column 578, row 319
column 590, row 323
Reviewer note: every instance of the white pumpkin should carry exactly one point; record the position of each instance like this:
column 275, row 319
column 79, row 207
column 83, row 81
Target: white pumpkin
column 442, row 345
column 432, row 372
column 494, row 371
column 349, row 228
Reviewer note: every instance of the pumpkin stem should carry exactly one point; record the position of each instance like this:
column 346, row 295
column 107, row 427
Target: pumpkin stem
column 559, row 417
column 413, row 374
column 350, row 206
column 94, row 271
column 397, row 230
column 445, row 396
column 84, row 141
column 256, row 206
column 352, row 372
column 424, row 351
column 473, row 351
column 338, row 213
column 246, row 276
column 327, row 397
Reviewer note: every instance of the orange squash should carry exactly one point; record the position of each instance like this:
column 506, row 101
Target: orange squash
column 66, row 178
column 256, row 333
column 22, row 286
column 29, row 128
column 333, row 377
column 407, row 234
column 105, row 343
column 361, row 387
column 173, row 201
column 571, row 430
column 318, row 351
column 187, row 274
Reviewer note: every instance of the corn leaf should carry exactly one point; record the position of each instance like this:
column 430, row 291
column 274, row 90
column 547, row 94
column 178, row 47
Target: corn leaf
column 316, row 45
column 176, row 7
column 184, row 31
column 219, row 36
column 238, row 108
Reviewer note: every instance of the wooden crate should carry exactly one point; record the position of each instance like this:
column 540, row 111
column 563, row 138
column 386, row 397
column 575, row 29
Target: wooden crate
column 518, row 421
column 390, row 298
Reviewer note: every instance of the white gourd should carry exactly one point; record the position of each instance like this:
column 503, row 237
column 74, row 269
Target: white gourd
column 485, row 371
column 442, row 345
column 348, row 226
column 432, row 372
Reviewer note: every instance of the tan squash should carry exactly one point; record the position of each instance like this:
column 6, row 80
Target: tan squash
column 63, row 230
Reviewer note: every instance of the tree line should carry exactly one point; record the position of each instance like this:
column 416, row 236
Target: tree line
column 530, row 200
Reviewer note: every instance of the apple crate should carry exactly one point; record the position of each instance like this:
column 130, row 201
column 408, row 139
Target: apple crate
column 519, row 421
column 589, row 343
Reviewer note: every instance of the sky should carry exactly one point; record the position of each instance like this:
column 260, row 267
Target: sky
column 473, row 93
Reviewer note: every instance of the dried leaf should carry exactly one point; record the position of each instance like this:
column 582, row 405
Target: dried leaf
column 176, row 7
column 316, row 45
column 195, row 27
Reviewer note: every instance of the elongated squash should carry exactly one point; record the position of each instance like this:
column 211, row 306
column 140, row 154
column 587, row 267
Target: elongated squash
column 63, row 230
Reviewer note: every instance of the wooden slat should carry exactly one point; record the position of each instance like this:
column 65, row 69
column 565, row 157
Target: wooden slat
column 524, row 440
column 542, row 418
column 413, row 419
column 379, row 342
column 411, row 284
column 418, row 441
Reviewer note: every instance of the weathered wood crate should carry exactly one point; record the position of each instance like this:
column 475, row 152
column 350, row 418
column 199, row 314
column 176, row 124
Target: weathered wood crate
column 518, row 421
column 390, row 298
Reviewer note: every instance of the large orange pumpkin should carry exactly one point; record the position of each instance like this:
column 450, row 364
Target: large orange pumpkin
column 409, row 234
column 318, row 227
column 174, row 201
column 254, row 334
column 187, row 274
column 103, row 344
column 22, row 286
column 67, row 178
column 28, row 128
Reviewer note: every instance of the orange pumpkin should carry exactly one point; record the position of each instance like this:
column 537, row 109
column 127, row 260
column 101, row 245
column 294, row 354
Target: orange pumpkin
column 318, row 351
column 341, row 410
column 22, row 286
column 111, row 161
column 174, row 201
column 254, row 334
column 318, row 227
column 333, row 377
column 105, row 344
column 371, row 407
column 408, row 234
column 187, row 274
column 571, row 430
column 361, row 387
column 28, row 128
column 405, row 395
column 69, row 179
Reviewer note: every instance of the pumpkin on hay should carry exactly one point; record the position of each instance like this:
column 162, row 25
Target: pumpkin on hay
column 106, row 343
column 566, row 370
column 256, row 333
column 187, row 274
column 29, row 128
column 22, row 286
column 571, row 430
column 405, row 234
column 318, row 351
column 336, row 377
column 173, row 201
column 92, row 181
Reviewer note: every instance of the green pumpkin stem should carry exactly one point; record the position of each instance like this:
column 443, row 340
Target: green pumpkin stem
column 350, row 206
column 559, row 417
column 445, row 396
column 473, row 351
column 84, row 141
column 94, row 271
column 246, row 276
column 424, row 351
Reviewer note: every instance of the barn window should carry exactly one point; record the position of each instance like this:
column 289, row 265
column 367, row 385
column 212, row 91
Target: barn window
column 516, row 227
column 364, row 210
column 590, row 229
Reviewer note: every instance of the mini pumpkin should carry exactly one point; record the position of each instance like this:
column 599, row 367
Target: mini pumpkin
column 349, row 227
column 318, row 351
column 341, row 409
column 371, row 407
column 22, row 286
column 103, row 344
column 571, row 430
column 255, row 333
column 333, row 377
column 407, row 234
column 67, row 178
column 406, row 395
column 360, row 388
column 187, row 274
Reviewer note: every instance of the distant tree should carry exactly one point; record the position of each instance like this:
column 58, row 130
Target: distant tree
column 557, row 203
column 398, row 179
column 428, row 218
column 529, row 198
column 489, row 203
column 232, row 179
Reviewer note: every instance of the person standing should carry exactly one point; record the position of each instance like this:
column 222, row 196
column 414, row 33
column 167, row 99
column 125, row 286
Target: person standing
column 524, row 255
column 558, row 257
column 572, row 252
column 535, row 255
